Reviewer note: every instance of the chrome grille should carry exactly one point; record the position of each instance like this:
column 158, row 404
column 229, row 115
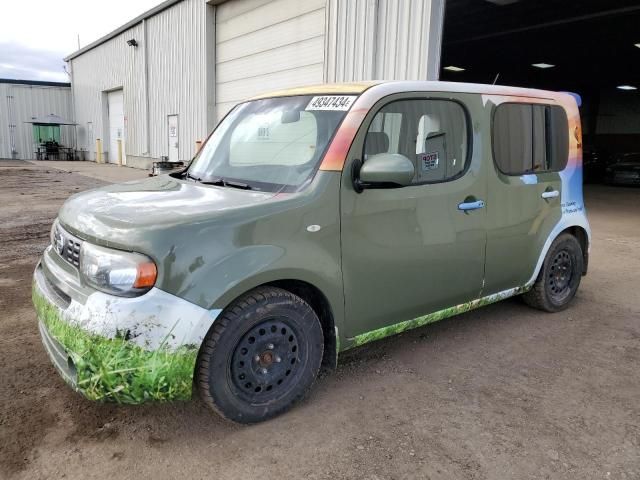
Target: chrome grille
column 67, row 245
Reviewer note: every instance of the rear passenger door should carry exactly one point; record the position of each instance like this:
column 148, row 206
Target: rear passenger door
column 530, row 146
column 411, row 251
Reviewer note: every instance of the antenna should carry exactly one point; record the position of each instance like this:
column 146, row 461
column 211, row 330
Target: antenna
column 496, row 79
column 78, row 41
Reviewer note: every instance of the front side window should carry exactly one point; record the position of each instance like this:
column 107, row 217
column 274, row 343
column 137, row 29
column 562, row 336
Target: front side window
column 433, row 134
column 274, row 144
column 530, row 138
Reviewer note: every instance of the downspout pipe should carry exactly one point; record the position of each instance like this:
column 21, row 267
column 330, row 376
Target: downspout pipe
column 73, row 108
column 145, row 57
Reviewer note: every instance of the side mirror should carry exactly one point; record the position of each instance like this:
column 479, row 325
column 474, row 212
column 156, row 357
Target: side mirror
column 384, row 170
column 290, row 116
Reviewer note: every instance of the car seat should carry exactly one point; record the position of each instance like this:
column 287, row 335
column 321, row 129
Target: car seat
column 376, row 142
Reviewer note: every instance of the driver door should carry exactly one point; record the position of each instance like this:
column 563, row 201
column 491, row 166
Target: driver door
column 410, row 251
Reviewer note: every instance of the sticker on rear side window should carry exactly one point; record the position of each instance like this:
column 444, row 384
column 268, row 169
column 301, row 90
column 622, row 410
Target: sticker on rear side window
column 429, row 161
column 331, row 102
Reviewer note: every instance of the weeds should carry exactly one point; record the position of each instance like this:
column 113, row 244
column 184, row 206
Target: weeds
column 117, row 370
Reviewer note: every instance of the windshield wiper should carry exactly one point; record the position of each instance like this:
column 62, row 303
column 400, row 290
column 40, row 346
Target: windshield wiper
column 243, row 186
column 192, row 177
column 221, row 182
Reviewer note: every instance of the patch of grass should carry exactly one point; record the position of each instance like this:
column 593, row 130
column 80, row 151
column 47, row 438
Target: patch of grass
column 117, row 370
column 433, row 317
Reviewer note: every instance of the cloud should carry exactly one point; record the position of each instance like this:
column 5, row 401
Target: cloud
column 35, row 35
column 26, row 63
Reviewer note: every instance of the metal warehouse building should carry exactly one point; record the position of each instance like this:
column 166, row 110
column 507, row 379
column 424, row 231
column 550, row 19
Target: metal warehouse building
column 22, row 101
column 162, row 81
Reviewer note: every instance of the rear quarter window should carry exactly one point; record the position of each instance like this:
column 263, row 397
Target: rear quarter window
column 530, row 138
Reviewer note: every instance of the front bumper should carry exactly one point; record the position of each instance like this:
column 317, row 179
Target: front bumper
column 127, row 350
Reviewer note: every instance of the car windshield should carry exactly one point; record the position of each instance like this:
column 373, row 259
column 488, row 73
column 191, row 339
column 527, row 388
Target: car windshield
column 274, row 144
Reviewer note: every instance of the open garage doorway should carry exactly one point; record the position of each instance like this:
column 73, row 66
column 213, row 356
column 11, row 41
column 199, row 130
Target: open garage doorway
column 590, row 47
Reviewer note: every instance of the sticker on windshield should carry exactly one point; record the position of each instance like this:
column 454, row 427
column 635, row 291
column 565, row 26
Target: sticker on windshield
column 331, row 102
column 263, row 133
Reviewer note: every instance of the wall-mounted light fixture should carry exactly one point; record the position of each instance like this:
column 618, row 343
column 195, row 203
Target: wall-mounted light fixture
column 132, row 42
column 543, row 65
column 502, row 2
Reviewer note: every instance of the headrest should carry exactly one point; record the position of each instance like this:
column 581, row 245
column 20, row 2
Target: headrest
column 435, row 134
column 376, row 142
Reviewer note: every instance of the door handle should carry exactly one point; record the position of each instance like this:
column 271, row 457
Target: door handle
column 467, row 206
column 550, row 194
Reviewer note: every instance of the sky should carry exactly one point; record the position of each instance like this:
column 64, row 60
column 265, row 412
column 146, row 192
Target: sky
column 35, row 35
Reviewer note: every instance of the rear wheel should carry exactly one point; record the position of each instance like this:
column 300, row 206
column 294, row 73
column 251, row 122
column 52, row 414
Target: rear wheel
column 559, row 276
column 261, row 356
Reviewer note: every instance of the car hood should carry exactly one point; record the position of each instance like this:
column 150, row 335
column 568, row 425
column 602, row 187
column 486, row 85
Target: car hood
column 116, row 212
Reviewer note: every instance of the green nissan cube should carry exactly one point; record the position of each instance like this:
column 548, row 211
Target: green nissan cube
column 312, row 221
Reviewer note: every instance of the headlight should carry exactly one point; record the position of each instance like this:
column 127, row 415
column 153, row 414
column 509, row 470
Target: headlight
column 117, row 272
column 52, row 234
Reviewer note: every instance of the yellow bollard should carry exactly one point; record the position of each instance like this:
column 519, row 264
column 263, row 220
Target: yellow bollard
column 198, row 145
column 98, row 150
column 119, row 152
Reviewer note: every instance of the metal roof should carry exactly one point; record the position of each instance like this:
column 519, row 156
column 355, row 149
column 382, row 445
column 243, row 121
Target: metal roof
column 50, row 119
column 149, row 13
column 34, row 82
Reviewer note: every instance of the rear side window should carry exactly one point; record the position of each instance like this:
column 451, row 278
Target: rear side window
column 433, row 134
column 530, row 138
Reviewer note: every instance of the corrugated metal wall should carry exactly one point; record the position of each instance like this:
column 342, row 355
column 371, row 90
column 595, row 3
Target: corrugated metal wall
column 264, row 45
column 19, row 104
column 174, row 67
column 383, row 39
column 177, row 76
column 201, row 60
column 5, row 142
column 110, row 66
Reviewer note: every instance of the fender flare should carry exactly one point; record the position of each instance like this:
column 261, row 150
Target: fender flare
column 564, row 224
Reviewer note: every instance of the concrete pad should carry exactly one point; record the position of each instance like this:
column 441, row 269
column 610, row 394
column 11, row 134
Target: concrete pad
column 102, row 171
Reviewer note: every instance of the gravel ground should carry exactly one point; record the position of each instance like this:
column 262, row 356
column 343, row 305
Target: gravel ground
column 501, row 392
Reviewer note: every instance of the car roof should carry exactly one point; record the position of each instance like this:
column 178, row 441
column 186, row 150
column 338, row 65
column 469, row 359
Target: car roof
column 324, row 88
column 356, row 88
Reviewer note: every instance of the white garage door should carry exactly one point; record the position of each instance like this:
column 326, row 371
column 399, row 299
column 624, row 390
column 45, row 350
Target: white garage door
column 115, row 104
column 264, row 45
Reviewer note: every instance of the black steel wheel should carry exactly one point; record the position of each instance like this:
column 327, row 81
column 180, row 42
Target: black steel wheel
column 559, row 277
column 261, row 356
column 265, row 363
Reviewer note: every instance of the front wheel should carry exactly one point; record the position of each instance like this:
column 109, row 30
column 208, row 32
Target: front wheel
column 261, row 356
column 559, row 276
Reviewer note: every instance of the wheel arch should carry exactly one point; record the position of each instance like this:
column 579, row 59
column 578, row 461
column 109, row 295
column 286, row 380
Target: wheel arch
column 315, row 297
column 580, row 230
column 583, row 238
column 318, row 301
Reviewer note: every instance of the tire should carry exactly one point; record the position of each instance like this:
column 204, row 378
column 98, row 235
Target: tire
column 559, row 277
column 261, row 356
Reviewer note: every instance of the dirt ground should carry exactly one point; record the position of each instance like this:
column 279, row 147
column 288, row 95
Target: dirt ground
column 501, row 392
